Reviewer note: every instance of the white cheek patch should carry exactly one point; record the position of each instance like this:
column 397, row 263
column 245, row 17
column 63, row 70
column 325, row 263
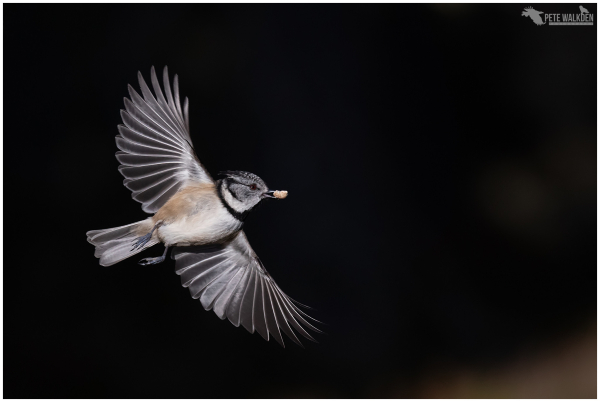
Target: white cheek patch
column 236, row 205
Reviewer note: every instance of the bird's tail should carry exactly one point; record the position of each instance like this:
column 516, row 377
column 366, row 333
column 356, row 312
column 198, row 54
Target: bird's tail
column 116, row 244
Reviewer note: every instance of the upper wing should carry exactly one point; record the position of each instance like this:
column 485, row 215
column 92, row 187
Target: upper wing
column 231, row 280
column 157, row 156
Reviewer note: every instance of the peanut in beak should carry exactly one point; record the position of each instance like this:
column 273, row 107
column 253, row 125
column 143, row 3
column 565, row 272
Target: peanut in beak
column 281, row 194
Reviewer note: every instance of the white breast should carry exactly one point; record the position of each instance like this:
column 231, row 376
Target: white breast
column 205, row 221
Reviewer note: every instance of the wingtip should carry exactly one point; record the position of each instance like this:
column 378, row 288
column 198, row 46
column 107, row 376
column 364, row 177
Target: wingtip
column 131, row 91
column 296, row 340
column 141, row 80
column 279, row 341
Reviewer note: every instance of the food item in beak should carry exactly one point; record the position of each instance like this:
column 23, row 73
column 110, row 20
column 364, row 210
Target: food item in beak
column 280, row 194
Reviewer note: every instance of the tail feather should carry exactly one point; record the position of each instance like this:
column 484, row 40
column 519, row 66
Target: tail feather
column 115, row 244
column 97, row 237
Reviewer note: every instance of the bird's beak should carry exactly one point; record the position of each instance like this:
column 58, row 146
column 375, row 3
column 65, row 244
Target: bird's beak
column 281, row 194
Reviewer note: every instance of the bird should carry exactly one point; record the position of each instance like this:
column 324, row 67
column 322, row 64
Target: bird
column 534, row 15
column 583, row 10
column 199, row 218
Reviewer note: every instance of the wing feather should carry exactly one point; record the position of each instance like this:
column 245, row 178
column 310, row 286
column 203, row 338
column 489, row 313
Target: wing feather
column 222, row 302
column 139, row 115
column 294, row 311
column 136, row 148
column 145, row 183
column 290, row 318
column 235, row 304
column 149, row 129
column 200, row 283
column 247, row 308
column 282, row 322
column 163, row 102
column 132, row 160
column 186, row 113
column 156, row 152
column 258, row 314
column 216, row 287
column 161, row 198
column 231, row 280
column 138, row 138
column 168, row 92
column 176, row 89
column 147, row 109
column 133, row 172
column 270, row 317
column 158, row 110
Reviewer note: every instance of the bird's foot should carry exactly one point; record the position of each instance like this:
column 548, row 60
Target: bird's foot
column 141, row 241
column 151, row 261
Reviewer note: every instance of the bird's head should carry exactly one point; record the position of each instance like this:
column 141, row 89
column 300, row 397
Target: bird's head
column 529, row 11
column 244, row 190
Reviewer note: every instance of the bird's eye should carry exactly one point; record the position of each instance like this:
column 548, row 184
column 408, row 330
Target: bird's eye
column 253, row 187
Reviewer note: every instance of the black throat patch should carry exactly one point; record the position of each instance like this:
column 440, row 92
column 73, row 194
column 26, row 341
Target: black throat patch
column 240, row 216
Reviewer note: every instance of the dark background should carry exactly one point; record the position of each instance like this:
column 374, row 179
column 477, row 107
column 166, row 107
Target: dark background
column 441, row 163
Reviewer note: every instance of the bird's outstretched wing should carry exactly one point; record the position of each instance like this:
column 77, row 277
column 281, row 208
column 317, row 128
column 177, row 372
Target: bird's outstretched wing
column 231, row 280
column 157, row 156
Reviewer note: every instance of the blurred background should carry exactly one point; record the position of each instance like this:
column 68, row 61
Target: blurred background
column 441, row 163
